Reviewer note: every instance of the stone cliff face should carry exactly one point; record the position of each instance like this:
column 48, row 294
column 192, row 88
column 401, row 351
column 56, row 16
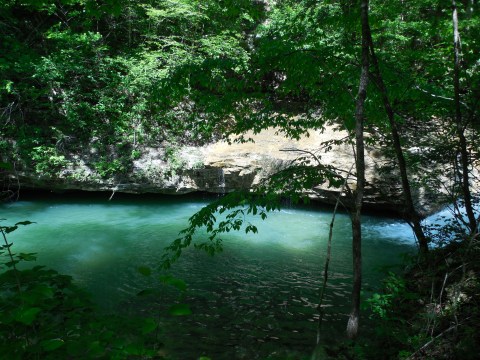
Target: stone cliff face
column 221, row 168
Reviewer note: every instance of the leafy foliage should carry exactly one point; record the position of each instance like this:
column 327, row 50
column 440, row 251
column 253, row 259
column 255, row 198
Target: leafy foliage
column 68, row 78
column 428, row 311
column 47, row 160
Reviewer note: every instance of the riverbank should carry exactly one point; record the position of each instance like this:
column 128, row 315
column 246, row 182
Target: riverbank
column 219, row 168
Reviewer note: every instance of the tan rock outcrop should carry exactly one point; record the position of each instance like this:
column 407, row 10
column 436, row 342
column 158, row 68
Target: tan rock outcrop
column 221, row 167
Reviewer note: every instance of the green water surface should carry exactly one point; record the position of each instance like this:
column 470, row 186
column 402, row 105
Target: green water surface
column 257, row 298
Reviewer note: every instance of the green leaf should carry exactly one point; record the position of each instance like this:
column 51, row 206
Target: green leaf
column 95, row 349
column 148, row 326
column 12, row 263
column 170, row 280
column 10, row 229
column 180, row 310
column 134, row 349
column 27, row 316
column 144, row 270
column 45, row 291
column 27, row 256
column 52, row 344
column 24, row 223
column 38, row 294
column 251, row 228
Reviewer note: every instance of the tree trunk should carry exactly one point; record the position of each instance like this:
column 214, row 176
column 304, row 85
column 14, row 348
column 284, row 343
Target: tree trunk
column 352, row 326
column 465, row 181
column 410, row 213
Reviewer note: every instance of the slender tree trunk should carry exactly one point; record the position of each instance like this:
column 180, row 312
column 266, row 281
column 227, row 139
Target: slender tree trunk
column 410, row 213
column 465, row 181
column 327, row 259
column 352, row 326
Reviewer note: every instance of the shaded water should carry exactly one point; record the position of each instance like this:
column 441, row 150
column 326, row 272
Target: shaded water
column 256, row 298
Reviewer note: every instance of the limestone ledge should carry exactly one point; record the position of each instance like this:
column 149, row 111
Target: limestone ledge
column 222, row 168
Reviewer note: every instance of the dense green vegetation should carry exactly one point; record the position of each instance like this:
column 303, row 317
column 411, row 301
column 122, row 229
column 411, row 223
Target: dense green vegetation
column 77, row 75
column 111, row 75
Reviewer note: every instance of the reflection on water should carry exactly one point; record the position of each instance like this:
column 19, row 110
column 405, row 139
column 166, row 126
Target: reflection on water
column 258, row 297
